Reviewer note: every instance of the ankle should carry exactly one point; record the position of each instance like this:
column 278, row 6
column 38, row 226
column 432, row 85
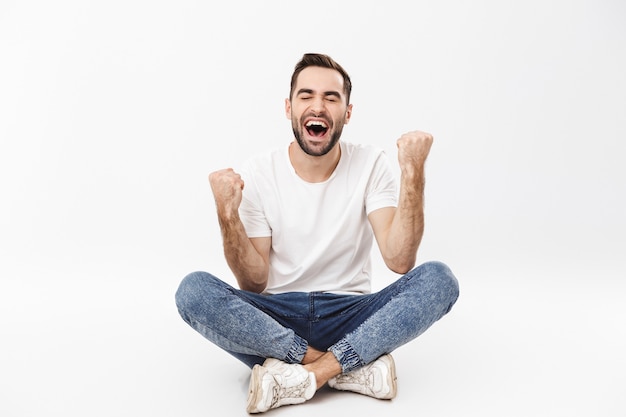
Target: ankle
column 324, row 368
column 311, row 355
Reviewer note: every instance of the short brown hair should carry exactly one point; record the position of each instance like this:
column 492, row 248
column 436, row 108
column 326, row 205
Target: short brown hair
column 324, row 61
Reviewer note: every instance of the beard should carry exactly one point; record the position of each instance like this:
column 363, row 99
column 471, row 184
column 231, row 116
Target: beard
column 335, row 134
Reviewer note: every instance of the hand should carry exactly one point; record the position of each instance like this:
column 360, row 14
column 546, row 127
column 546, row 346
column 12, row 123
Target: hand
column 227, row 188
column 413, row 149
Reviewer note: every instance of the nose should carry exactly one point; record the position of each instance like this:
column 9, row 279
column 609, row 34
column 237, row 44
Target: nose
column 317, row 106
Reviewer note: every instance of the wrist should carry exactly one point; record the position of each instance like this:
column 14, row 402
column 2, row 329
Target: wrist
column 410, row 171
column 228, row 216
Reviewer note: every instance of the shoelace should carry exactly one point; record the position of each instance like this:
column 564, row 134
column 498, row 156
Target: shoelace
column 279, row 392
column 361, row 377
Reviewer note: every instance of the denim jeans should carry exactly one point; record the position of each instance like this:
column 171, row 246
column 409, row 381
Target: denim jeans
column 357, row 329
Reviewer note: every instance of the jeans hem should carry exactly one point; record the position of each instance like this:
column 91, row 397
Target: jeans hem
column 297, row 350
column 346, row 355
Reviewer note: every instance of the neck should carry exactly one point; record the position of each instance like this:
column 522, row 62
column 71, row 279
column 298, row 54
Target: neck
column 314, row 168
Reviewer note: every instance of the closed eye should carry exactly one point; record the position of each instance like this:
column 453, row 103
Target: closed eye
column 332, row 96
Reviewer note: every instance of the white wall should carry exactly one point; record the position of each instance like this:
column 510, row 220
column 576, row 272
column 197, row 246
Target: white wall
column 113, row 113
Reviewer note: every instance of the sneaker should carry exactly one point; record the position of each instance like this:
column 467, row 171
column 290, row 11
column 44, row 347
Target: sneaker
column 277, row 383
column 377, row 379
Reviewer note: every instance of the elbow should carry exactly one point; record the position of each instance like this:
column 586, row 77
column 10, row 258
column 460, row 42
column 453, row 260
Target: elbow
column 401, row 270
column 400, row 266
column 253, row 285
column 401, row 262
column 400, row 256
column 255, row 288
column 252, row 278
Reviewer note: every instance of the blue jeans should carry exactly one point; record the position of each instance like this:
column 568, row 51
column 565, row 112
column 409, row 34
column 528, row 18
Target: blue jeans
column 357, row 329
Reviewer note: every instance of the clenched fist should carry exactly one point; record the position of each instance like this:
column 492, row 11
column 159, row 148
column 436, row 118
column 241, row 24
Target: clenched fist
column 413, row 149
column 227, row 188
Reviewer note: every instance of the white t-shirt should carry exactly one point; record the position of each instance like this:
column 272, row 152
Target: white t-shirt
column 321, row 237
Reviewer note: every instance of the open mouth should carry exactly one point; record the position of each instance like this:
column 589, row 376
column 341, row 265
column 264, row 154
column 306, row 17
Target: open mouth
column 316, row 128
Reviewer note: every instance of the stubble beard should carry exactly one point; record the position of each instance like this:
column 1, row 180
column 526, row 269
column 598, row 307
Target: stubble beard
column 334, row 138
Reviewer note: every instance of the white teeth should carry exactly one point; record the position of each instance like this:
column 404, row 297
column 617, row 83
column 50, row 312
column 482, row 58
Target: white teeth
column 316, row 123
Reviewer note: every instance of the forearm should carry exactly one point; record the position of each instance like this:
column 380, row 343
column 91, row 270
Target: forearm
column 407, row 227
column 248, row 266
column 404, row 234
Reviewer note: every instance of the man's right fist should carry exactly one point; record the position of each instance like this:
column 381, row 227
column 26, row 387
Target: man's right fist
column 227, row 186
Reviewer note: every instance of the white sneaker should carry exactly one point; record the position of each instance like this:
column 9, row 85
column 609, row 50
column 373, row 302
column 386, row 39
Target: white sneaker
column 278, row 383
column 377, row 379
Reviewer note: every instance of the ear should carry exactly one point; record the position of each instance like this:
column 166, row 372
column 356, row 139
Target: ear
column 288, row 108
column 348, row 114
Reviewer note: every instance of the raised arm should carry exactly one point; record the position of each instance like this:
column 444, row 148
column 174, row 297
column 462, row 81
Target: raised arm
column 247, row 258
column 399, row 230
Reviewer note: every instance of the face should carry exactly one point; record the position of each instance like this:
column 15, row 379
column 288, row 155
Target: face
column 318, row 110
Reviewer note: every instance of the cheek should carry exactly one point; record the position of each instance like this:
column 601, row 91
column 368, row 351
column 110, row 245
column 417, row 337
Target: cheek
column 343, row 118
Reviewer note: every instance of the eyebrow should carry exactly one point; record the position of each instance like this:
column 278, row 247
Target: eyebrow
column 326, row 93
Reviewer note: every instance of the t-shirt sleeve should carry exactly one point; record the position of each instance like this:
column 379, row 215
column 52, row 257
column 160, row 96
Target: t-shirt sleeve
column 251, row 209
column 382, row 188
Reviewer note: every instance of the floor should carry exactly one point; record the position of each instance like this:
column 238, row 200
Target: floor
column 525, row 345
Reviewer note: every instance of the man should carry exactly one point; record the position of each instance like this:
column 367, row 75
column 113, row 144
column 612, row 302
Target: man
column 297, row 238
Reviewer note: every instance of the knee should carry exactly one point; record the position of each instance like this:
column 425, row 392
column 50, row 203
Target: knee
column 441, row 280
column 193, row 291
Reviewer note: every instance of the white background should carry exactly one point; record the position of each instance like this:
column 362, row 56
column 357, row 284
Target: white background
column 113, row 113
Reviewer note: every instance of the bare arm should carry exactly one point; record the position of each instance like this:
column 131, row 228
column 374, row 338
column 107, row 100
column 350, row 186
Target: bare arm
column 247, row 258
column 399, row 230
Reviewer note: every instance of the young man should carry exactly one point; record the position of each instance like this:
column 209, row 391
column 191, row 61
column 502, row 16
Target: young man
column 298, row 237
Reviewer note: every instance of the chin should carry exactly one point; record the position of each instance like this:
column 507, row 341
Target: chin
column 320, row 149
